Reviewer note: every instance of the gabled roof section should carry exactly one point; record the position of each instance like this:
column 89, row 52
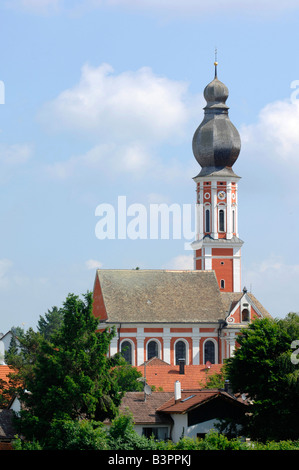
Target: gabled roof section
column 137, row 296
column 231, row 300
column 144, row 411
column 192, row 399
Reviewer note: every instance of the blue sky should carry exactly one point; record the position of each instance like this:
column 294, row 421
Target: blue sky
column 101, row 100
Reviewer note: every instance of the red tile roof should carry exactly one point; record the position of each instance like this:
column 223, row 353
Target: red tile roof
column 4, row 371
column 163, row 376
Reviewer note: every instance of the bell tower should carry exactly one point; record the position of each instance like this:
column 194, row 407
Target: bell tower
column 216, row 146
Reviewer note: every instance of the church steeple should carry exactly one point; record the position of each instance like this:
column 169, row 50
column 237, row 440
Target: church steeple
column 216, row 146
column 216, row 142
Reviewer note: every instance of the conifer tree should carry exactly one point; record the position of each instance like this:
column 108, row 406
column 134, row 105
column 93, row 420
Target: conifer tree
column 71, row 377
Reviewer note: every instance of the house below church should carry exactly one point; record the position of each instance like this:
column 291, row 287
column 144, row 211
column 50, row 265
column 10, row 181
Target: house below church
column 188, row 413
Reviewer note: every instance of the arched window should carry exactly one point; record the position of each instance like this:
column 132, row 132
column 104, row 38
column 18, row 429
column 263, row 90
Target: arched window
column 208, row 220
column 180, row 351
column 126, row 351
column 209, row 352
column 152, row 350
column 221, row 220
column 245, row 315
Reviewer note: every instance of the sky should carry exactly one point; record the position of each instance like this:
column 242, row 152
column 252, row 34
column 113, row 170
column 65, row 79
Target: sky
column 99, row 101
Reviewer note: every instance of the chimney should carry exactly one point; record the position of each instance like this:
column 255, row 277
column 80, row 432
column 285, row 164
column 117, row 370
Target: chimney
column 177, row 391
column 227, row 387
column 182, row 366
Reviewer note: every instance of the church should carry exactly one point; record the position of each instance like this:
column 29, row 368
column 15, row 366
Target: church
column 193, row 316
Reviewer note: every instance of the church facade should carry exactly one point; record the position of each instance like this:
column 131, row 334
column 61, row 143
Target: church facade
column 193, row 315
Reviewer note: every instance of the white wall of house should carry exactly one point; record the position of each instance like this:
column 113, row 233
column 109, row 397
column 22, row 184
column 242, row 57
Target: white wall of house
column 2, row 351
column 181, row 427
column 140, row 427
column 201, row 428
column 4, row 345
column 15, row 406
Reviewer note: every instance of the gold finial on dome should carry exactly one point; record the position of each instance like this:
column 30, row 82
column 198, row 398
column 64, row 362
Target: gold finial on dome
column 215, row 63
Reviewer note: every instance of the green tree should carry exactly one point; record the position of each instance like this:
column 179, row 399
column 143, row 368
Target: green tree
column 263, row 368
column 71, row 377
column 216, row 380
column 50, row 323
column 76, row 435
column 127, row 376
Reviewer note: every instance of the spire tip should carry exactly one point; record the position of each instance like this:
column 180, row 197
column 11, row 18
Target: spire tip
column 215, row 63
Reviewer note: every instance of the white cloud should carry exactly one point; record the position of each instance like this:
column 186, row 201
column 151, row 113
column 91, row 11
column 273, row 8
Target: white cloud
column 93, row 264
column 15, row 154
column 136, row 105
column 274, row 137
column 126, row 117
column 13, row 157
column 103, row 159
column 180, row 262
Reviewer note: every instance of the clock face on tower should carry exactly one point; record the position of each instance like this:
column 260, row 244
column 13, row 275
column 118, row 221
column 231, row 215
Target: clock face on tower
column 221, row 195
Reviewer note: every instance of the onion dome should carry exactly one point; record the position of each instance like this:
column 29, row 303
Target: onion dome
column 216, row 142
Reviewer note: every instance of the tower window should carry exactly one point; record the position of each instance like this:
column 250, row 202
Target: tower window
column 208, row 220
column 221, row 220
column 222, row 284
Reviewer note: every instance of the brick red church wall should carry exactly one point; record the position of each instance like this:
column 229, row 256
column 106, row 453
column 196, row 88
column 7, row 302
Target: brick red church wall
column 224, row 271
column 98, row 308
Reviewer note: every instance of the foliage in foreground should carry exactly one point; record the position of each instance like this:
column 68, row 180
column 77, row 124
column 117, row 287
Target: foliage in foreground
column 72, row 382
column 91, row 435
column 263, row 368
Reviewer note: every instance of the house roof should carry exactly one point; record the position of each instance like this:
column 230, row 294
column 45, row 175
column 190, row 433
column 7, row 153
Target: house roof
column 164, row 376
column 144, row 411
column 158, row 406
column 147, row 296
column 4, row 371
column 191, row 399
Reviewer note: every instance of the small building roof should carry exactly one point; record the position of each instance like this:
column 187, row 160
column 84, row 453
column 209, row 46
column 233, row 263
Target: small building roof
column 144, row 411
column 164, row 376
column 159, row 296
